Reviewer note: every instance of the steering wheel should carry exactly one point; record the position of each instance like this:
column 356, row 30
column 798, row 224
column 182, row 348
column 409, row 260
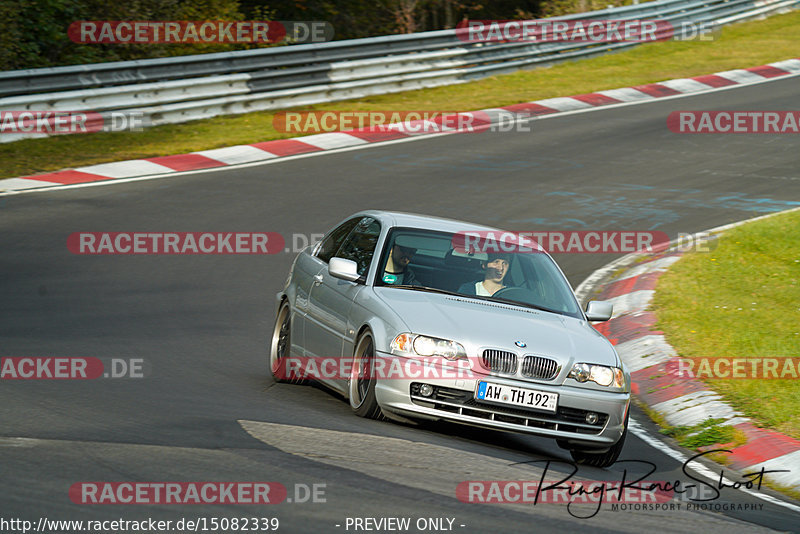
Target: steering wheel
column 520, row 294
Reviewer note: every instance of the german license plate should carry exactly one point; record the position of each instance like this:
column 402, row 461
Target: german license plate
column 515, row 396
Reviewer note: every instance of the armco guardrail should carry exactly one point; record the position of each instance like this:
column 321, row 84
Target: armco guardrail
column 179, row 89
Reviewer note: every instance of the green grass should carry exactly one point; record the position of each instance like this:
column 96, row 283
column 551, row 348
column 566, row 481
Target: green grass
column 741, row 300
column 706, row 434
column 710, row 433
column 741, row 45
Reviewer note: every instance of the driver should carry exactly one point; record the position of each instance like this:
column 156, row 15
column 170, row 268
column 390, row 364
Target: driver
column 397, row 271
column 496, row 268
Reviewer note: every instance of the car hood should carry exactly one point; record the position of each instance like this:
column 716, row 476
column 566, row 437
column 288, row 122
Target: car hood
column 480, row 324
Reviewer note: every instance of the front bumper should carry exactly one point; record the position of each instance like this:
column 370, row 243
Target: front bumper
column 453, row 400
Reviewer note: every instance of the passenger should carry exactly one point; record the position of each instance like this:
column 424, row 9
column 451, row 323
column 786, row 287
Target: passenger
column 496, row 268
column 397, row 271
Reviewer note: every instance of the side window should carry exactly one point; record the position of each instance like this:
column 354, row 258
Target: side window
column 332, row 241
column 360, row 244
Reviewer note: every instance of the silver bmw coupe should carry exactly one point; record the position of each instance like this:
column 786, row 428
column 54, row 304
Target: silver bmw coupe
column 414, row 317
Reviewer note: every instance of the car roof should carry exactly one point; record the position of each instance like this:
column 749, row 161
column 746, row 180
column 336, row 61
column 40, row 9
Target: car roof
column 428, row 222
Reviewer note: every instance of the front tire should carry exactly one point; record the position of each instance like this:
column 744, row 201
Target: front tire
column 362, row 380
column 602, row 459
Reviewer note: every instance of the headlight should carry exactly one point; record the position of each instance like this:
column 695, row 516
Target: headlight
column 408, row 343
column 600, row 374
column 581, row 372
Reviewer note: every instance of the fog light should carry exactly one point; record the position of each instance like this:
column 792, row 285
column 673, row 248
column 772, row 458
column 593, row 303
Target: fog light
column 426, row 390
column 591, row 418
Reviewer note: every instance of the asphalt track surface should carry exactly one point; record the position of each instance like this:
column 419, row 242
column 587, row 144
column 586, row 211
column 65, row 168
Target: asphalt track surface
column 201, row 322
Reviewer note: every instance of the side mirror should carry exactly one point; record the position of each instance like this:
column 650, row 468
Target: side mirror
column 599, row 310
column 344, row 269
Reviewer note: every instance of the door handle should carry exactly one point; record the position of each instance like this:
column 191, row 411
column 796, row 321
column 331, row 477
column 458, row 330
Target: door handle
column 317, row 279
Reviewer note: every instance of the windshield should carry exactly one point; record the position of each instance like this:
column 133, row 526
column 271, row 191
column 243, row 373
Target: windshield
column 496, row 271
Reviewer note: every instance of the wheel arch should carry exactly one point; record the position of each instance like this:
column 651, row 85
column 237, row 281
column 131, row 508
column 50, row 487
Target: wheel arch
column 380, row 332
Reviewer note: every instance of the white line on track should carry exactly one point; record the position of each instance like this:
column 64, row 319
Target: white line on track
column 639, row 431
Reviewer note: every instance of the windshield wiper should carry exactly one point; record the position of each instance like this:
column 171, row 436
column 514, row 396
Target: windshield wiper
column 523, row 304
column 426, row 288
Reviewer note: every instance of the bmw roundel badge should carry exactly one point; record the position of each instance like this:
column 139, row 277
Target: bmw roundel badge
column 520, row 344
